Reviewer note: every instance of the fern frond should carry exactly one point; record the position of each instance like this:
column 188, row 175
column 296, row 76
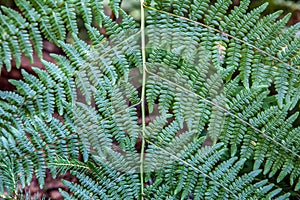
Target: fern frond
column 198, row 9
column 102, row 182
column 15, row 38
column 209, row 69
column 215, row 12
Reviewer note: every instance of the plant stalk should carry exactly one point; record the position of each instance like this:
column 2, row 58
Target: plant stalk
column 143, row 46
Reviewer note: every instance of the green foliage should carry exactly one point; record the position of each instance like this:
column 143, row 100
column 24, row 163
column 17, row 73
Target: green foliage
column 216, row 117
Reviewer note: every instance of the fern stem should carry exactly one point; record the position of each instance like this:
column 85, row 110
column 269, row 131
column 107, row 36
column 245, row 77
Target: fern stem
column 143, row 42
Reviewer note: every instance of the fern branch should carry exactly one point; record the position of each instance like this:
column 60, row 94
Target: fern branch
column 265, row 134
column 193, row 167
column 227, row 35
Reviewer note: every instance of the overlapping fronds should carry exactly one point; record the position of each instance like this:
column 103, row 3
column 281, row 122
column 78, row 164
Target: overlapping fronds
column 213, row 115
column 22, row 32
column 203, row 176
column 248, row 60
column 247, row 44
